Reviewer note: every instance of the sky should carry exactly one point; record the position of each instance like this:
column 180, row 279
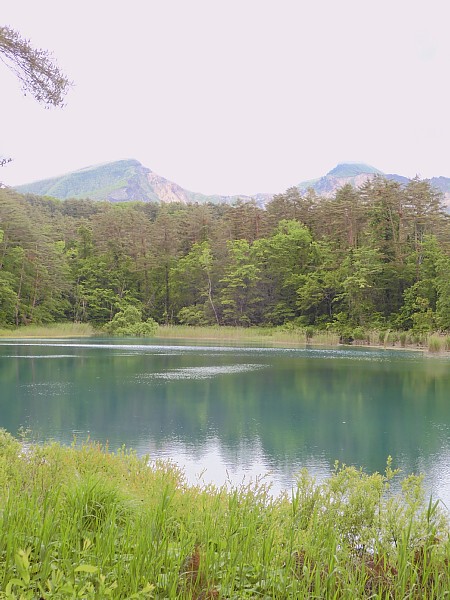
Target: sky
column 235, row 96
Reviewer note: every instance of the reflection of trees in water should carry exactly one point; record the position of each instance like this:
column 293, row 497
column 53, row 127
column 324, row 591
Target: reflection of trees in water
column 356, row 411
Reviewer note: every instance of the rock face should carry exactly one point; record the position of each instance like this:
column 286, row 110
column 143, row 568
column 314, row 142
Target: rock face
column 123, row 181
column 129, row 180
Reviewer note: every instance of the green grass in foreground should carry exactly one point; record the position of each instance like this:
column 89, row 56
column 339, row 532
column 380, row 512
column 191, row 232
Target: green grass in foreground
column 49, row 331
column 85, row 523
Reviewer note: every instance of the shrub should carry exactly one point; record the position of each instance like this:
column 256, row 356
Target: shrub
column 129, row 322
column 359, row 334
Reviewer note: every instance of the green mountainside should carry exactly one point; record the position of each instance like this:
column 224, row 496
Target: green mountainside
column 122, row 181
column 352, row 170
column 110, row 181
column 129, row 180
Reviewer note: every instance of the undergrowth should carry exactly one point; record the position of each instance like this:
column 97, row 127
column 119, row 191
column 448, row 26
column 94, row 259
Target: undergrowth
column 80, row 522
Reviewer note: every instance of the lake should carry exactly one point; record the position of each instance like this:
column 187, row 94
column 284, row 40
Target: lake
column 236, row 413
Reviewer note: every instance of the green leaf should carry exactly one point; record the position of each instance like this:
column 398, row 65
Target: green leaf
column 86, row 569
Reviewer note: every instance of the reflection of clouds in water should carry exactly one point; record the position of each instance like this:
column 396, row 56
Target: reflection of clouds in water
column 214, row 464
column 199, row 372
column 436, row 470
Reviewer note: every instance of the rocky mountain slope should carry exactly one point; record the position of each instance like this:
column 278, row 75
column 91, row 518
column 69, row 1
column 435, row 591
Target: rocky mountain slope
column 122, row 181
column 127, row 180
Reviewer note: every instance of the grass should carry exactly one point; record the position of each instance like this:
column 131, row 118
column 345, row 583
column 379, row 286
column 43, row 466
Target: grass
column 55, row 330
column 435, row 343
column 275, row 335
column 300, row 336
column 80, row 522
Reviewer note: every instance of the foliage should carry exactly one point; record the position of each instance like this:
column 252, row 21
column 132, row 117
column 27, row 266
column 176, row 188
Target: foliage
column 373, row 258
column 81, row 522
column 129, row 322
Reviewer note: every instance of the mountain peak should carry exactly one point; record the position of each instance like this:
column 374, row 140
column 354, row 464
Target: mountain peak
column 352, row 170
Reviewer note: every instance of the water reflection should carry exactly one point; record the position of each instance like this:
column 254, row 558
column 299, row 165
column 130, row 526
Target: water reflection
column 236, row 411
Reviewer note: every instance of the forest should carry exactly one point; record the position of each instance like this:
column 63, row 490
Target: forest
column 373, row 257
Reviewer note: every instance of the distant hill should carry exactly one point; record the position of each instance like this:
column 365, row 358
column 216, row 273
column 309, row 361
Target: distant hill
column 357, row 174
column 128, row 180
column 122, row 181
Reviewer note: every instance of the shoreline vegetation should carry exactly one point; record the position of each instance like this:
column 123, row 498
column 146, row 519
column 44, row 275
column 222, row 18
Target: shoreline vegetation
column 433, row 342
column 369, row 265
column 81, row 521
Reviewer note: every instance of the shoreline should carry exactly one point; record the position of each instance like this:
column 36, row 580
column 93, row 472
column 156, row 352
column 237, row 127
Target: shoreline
column 225, row 335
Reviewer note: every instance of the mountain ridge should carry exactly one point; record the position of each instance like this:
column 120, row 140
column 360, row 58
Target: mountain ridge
column 128, row 180
column 123, row 181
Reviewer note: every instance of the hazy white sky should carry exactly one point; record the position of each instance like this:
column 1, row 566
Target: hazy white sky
column 235, row 96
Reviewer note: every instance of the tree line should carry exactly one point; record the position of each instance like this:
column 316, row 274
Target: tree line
column 377, row 256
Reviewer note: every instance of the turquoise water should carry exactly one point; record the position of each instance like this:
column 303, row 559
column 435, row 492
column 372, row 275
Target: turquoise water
column 234, row 413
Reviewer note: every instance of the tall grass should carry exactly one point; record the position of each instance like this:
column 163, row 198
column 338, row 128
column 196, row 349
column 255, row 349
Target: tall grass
column 262, row 335
column 435, row 343
column 275, row 335
column 447, row 343
column 49, row 331
column 84, row 523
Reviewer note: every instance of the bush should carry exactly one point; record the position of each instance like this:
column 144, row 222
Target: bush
column 359, row 334
column 193, row 315
column 129, row 322
column 309, row 332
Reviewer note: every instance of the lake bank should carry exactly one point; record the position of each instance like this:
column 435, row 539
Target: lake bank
column 278, row 336
column 81, row 521
column 57, row 330
column 303, row 337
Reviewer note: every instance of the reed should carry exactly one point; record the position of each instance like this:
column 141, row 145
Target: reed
column 435, row 343
column 271, row 335
column 55, row 330
column 80, row 522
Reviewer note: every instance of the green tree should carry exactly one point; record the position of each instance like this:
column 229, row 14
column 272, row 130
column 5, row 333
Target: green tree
column 282, row 259
column 239, row 297
column 426, row 303
column 319, row 287
column 192, row 286
column 360, row 271
column 443, row 292
column 166, row 247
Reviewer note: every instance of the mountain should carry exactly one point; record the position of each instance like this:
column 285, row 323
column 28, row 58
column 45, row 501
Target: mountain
column 354, row 173
column 122, row 181
column 357, row 174
column 128, row 180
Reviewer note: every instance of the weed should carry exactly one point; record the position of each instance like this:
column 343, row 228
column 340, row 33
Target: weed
column 80, row 522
